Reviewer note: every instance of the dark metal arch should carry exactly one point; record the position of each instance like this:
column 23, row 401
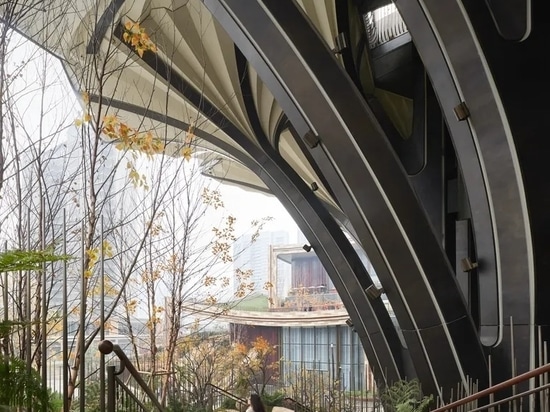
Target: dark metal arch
column 242, row 67
column 248, row 100
column 370, row 317
column 105, row 21
column 489, row 164
column 282, row 124
column 463, row 142
column 335, row 212
column 321, row 101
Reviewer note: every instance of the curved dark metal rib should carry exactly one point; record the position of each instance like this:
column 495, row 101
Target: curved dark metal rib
column 105, row 21
column 490, row 168
column 248, row 99
column 374, row 191
column 470, row 167
column 252, row 113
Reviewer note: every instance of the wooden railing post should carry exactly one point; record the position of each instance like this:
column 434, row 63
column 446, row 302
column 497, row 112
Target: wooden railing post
column 106, row 347
column 111, row 389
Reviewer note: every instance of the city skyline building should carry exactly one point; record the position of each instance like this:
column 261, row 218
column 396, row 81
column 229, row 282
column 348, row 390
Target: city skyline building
column 303, row 317
column 254, row 256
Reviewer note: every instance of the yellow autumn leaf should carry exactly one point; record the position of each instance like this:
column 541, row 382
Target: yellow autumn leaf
column 107, row 249
column 93, row 255
column 136, row 37
column 110, row 119
column 209, row 280
column 186, row 153
column 78, row 122
column 211, row 300
column 123, row 130
column 158, row 146
column 131, row 306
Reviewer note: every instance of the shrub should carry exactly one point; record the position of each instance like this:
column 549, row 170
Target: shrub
column 20, row 387
column 229, row 403
column 273, row 399
column 405, row 396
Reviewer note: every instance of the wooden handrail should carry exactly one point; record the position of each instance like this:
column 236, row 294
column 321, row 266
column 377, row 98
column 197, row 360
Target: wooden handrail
column 511, row 398
column 106, row 347
column 495, row 388
column 228, row 394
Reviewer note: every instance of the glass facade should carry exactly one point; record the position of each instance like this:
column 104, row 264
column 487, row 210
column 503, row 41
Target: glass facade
column 334, row 352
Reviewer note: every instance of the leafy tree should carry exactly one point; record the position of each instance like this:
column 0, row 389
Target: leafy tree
column 204, row 361
column 93, row 394
column 129, row 184
column 259, row 364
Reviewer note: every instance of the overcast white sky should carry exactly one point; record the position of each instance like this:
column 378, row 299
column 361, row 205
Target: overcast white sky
column 245, row 205
column 248, row 206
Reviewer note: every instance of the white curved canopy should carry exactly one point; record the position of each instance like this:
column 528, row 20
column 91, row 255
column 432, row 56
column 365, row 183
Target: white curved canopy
column 147, row 93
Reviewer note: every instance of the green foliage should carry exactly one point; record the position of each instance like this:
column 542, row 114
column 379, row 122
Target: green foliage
column 15, row 260
column 405, row 396
column 229, row 403
column 92, row 398
column 20, row 387
column 174, row 405
column 274, row 399
column 7, row 327
column 271, row 400
column 56, row 400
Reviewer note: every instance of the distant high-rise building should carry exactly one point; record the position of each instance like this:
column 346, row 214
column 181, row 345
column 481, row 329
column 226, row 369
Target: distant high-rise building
column 255, row 256
column 64, row 178
column 305, row 321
